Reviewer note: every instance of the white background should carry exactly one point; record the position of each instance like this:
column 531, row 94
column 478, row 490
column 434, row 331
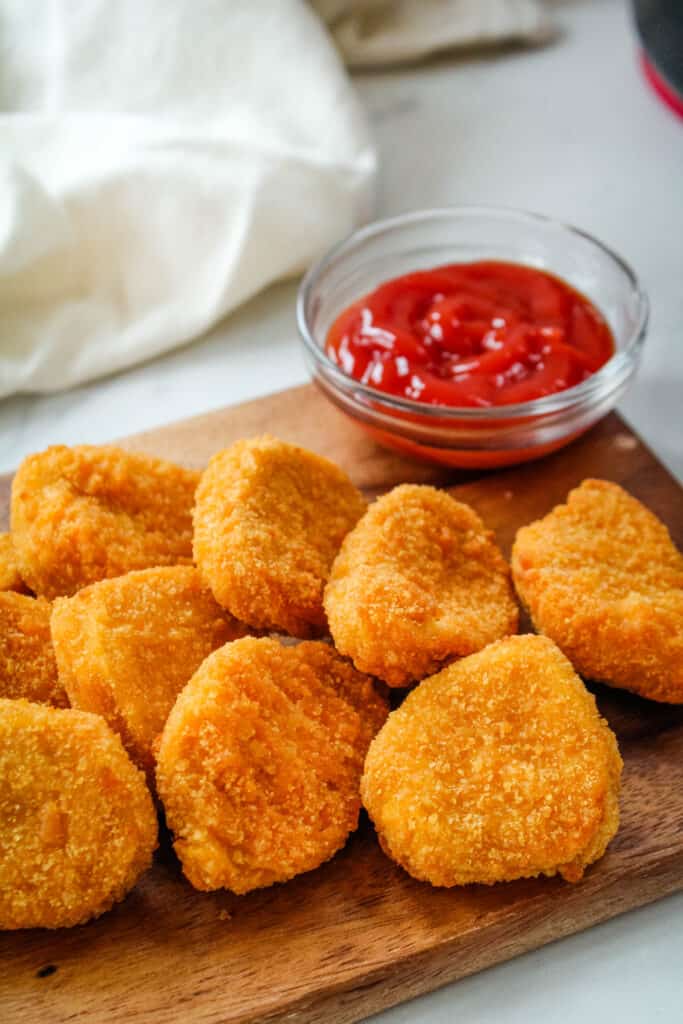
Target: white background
column 569, row 130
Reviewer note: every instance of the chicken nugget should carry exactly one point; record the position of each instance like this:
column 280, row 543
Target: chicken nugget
column 260, row 761
column 9, row 569
column 418, row 582
column 268, row 522
column 498, row 767
column 27, row 661
column 77, row 824
column 126, row 647
column 603, row 579
column 85, row 514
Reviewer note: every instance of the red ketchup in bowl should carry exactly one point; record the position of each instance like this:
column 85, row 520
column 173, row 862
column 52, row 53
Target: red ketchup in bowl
column 471, row 334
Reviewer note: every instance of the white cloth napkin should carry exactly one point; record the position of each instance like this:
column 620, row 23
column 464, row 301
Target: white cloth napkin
column 162, row 161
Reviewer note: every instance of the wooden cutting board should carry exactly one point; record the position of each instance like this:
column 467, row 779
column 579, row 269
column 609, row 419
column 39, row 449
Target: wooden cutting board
column 359, row 934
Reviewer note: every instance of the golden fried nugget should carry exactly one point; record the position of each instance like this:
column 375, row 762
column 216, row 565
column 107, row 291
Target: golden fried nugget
column 77, row 824
column 418, row 582
column 497, row 768
column 603, row 579
column 126, row 647
column 27, row 661
column 9, row 570
column 268, row 522
column 260, row 761
column 84, row 514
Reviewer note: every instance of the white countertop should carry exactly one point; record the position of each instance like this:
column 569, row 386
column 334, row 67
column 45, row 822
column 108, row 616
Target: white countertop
column 569, row 130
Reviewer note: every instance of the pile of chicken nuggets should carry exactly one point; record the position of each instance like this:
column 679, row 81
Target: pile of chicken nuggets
column 223, row 646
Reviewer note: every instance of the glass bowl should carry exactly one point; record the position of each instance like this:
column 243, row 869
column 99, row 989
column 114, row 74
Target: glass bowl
column 473, row 437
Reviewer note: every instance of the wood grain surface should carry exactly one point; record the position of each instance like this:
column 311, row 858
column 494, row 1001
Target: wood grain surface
column 358, row 934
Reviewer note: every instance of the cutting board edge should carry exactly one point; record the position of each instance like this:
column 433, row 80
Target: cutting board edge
column 378, row 989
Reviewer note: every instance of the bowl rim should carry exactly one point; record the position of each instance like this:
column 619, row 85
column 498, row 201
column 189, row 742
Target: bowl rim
column 611, row 373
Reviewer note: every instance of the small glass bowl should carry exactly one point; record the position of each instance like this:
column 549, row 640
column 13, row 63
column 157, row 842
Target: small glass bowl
column 473, row 437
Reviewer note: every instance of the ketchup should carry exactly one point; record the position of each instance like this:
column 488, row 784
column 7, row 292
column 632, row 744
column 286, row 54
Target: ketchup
column 471, row 334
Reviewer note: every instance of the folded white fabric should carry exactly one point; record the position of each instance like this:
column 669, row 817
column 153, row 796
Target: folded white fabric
column 162, row 161
column 371, row 33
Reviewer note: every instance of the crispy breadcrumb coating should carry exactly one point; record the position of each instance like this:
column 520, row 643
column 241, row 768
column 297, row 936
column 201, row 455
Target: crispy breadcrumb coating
column 84, row 514
column 9, row 569
column 268, row 522
column 260, row 761
column 126, row 647
column 77, row 824
column 603, row 579
column 27, row 662
column 497, row 768
column 418, row 582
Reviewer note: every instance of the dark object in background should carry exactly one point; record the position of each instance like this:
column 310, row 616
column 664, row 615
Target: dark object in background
column 660, row 25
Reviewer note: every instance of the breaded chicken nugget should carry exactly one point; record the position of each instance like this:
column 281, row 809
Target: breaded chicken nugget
column 497, row 768
column 85, row 514
column 77, row 824
column 603, row 579
column 9, row 570
column 268, row 522
column 27, row 661
column 126, row 647
column 260, row 761
column 418, row 582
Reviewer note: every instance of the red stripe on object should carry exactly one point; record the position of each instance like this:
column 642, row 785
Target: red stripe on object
column 665, row 91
